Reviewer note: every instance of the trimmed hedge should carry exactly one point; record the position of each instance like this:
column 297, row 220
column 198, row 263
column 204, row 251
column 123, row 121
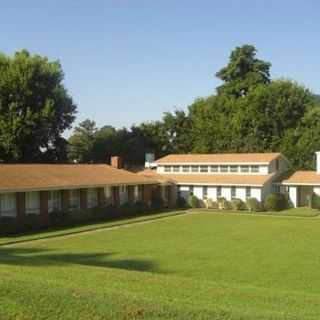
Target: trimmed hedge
column 315, row 201
column 276, row 202
column 254, row 205
column 238, row 204
column 193, row 201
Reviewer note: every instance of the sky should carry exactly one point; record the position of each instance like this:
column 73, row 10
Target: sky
column 128, row 61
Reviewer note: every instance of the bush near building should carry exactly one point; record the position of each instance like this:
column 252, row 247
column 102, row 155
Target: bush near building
column 276, row 202
column 238, row 204
column 315, row 201
column 254, row 205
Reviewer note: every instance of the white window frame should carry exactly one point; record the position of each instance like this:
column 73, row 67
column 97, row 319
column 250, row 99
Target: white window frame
column 8, row 205
column 92, row 198
column 167, row 169
column 32, row 202
column 194, row 168
column 54, row 201
column 185, row 168
column 244, row 168
column 176, row 168
column 234, row 168
column 248, row 192
column 204, row 169
column 74, row 199
column 254, row 169
column 214, row 168
column 224, row 168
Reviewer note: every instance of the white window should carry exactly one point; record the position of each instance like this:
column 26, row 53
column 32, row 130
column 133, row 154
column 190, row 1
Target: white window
column 32, row 202
column 224, row 168
column 136, row 193
column 205, row 192
column 244, row 168
column 203, row 168
column 219, row 192
column 195, row 168
column 233, row 192
column 185, row 168
column 167, row 168
column 214, row 168
column 123, row 194
column 92, row 198
column 233, row 168
column 248, row 192
column 254, row 169
column 54, row 201
column 107, row 192
column 74, row 200
column 176, row 169
column 8, row 205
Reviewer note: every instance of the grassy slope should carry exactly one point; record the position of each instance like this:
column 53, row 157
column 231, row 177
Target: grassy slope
column 204, row 266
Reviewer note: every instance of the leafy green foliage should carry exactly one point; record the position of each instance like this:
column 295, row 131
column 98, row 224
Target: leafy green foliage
column 276, row 202
column 193, row 201
column 35, row 109
column 315, row 201
column 254, row 205
column 224, row 204
column 238, row 204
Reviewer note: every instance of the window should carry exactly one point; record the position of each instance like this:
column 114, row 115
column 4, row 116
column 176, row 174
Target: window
column 32, row 202
column 186, row 168
column 214, row 168
column 203, row 168
column 107, row 192
column 54, row 201
column 74, row 199
column 136, row 193
column 233, row 192
column 248, row 192
column 254, row 168
column 218, row 192
column 123, row 189
column 244, row 168
column 205, row 192
column 8, row 207
column 224, row 168
column 233, row 168
column 92, row 198
column 176, row 169
column 276, row 188
column 195, row 168
column 167, row 168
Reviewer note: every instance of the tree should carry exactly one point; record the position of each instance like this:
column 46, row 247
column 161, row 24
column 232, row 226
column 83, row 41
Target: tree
column 35, row 109
column 81, row 142
column 243, row 72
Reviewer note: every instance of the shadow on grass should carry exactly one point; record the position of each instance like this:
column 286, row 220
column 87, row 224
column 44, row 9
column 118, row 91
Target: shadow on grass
column 43, row 257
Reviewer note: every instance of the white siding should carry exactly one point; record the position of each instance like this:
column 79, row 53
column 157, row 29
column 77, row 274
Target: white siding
column 198, row 192
column 160, row 169
column 256, row 193
column 226, row 192
column 263, row 170
column 316, row 190
column 241, row 193
column 212, row 193
column 293, row 195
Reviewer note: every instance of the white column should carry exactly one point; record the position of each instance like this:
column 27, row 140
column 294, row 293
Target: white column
column 293, row 195
column 318, row 161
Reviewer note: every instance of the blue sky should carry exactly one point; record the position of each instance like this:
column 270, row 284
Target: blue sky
column 129, row 61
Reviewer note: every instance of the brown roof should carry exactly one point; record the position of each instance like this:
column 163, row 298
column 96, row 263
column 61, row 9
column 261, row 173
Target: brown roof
column 220, row 158
column 218, row 179
column 23, row 177
column 151, row 173
column 303, row 177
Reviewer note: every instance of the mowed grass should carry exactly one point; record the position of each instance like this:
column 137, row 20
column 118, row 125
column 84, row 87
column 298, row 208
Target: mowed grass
column 193, row 266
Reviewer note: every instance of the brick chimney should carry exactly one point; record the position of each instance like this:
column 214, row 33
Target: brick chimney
column 116, row 162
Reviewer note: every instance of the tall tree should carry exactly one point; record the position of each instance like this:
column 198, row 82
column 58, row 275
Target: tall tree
column 81, row 142
column 35, row 109
column 243, row 72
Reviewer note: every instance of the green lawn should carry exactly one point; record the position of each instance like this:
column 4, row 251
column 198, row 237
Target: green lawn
column 193, row 266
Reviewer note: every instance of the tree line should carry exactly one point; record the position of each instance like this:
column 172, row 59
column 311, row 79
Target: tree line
column 249, row 112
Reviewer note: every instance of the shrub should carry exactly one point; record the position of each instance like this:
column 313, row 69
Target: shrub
column 210, row 204
column 193, row 201
column 140, row 207
column 224, row 204
column 127, row 209
column 156, row 200
column 181, row 202
column 237, row 204
column 254, row 205
column 315, row 201
column 8, row 225
column 276, row 202
column 32, row 222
